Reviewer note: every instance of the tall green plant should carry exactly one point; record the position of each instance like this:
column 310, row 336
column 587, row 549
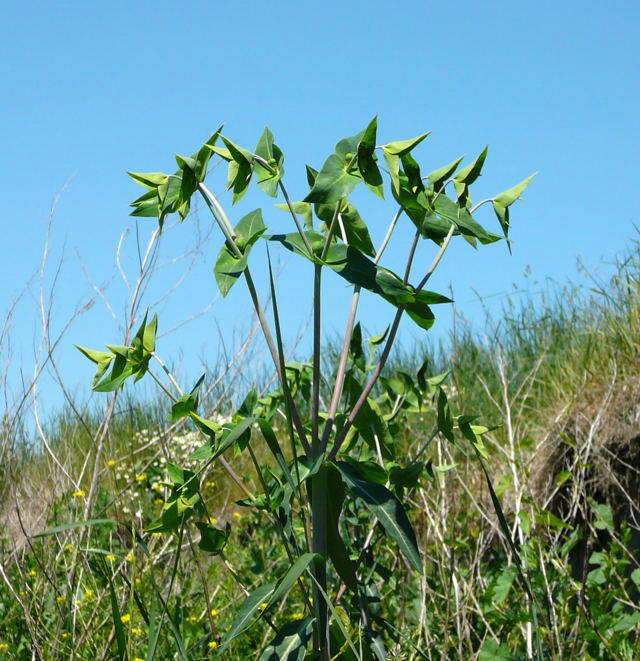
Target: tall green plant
column 338, row 480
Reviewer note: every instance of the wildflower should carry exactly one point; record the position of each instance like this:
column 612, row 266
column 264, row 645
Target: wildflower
column 156, row 486
column 214, row 612
column 68, row 547
column 158, row 501
column 141, row 478
column 263, row 605
column 32, row 574
column 129, row 557
column 296, row 616
column 138, row 581
column 213, row 520
column 192, row 618
column 238, row 515
column 111, row 463
column 111, row 558
column 79, row 494
column 88, row 594
column 213, row 645
column 61, row 599
column 64, row 635
column 136, row 631
column 4, row 647
column 125, row 618
column 210, row 484
column 157, row 534
column 137, row 658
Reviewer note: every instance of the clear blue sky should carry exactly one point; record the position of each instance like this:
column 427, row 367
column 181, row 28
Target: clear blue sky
column 91, row 90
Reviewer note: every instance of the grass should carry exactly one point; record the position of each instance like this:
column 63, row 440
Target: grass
column 558, row 373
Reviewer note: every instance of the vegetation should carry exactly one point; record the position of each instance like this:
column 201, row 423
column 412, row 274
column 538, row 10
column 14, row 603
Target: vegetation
column 168, row 548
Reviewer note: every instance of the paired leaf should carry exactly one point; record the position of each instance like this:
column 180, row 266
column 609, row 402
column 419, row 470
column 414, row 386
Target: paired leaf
column 502, row 202
column 268, row 178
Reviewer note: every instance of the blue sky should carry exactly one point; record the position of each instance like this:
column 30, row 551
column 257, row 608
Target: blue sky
column 93, row 89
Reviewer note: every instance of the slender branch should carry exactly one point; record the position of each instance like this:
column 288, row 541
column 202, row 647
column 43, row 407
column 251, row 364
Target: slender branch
column 386, row 351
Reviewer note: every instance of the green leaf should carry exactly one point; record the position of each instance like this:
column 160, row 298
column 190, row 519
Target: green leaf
column 334, row 182
column 386, row 507
column 336, row 548
column 354, row 226
column 147, row 205
column 229, row 267
column 367, row 161
column 471, row 172
column 439, row 177
column 121, row 639
column 120, row 372
column 291, row 642
column 228, row 438
column 493, row 651
column 75, row 524
column 502, row 202
column 149, row 179
column 291, row 576
column 445, row 421
column 212, row 539
column 270, row 152
column 248, row 614
column 240, row 169
column 186, row 404
column 301, row 208
column 502, row 586
column 450, row 212
column 402, row 147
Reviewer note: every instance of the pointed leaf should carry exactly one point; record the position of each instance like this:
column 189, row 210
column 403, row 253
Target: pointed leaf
column 333, row 182
column 291, row 642
column 367, row 162
column 401, row 147
column 387, row 508
column 471, row 172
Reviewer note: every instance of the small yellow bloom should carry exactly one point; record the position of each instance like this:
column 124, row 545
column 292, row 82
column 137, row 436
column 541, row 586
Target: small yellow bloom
column 4, row 647
column 210, row 484
column 138, row 581
column 32, row 574
column 214, row 612
column 192, row 618
column 141, row 478
column 68, row 547
column 158, row 501
column 136, row 631
column 157, row 486
column 64, row 635
column 137, row 658
column 263, row 605
column 79, row 494
column 129, row 557
column 88, row 594
column 213, row 645
column 125, row 618
column 213, row 520
column 157, row 534
column 23, row 593
column 61, row 599
column 296, row 616
column 237, row 515
column 111, row 463
column 110, row 558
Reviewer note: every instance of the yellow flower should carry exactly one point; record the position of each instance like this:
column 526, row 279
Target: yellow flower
column 32, row 574
column 79, row 494
column 110, row 558
column 214, row 612
column 192, row 618
column 61, row 599
column 68, row 547
column 158, row 501
column 64, row 635
column 157, row 534
column 263, row 605
column 157, row 486
column 125, row 618
column 136, row 631
column 210, row 484
column 296, row 616
column 138, row 581
column 237, row 515
column 88, row 594
column 4, row 647
column 213, row 645
column 111, row 463
column 137, row 658
column 213, row 520
column 141, row 478
column 129, row 557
